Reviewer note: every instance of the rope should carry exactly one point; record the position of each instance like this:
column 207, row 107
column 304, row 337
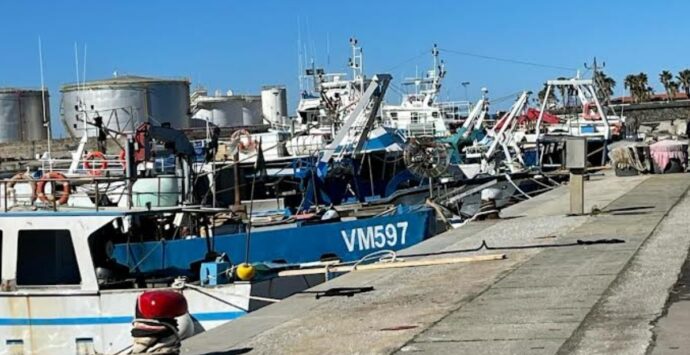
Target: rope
column 476, row 215
column 406, row 61
column 182, row 284
column 392, row 256
column 517, row 187
column 485, row 246
column 622, row 158
column 507, row 60
column 145, row 256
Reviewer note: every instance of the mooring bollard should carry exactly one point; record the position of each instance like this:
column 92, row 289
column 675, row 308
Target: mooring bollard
column 156, row 327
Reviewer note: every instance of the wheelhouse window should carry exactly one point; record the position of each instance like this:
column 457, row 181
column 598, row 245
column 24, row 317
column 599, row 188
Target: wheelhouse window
column 46, row 257
column 414, row 117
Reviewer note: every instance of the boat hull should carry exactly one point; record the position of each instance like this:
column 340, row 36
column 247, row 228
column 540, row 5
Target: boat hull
column 291, row 244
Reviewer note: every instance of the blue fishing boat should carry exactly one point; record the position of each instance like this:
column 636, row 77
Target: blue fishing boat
column 300, row 241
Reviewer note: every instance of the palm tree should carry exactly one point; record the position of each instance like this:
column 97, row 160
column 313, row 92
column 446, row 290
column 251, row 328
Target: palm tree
column 604, row 86
column 562, row 92
column 665, row 78
column 552, row 96
column 631, row 83
column 673, row 89
column 684, row 81
column 645, row 90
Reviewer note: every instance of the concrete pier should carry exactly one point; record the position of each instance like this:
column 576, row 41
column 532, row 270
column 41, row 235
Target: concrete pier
column 557, row 297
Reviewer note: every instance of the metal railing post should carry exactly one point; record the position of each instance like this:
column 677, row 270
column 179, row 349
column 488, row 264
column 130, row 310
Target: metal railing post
column 97, row 195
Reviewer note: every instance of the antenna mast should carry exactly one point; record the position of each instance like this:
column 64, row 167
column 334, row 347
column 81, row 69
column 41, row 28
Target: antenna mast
column 46, row 122
column 357, row 63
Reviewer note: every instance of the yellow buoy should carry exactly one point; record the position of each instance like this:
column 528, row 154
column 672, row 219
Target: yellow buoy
column 245, row 272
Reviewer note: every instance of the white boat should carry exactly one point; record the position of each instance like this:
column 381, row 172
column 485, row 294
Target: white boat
column 418, row 114
column 421, row 113
column 62, row 294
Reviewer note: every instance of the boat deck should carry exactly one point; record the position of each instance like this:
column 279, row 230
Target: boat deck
column 585, row 299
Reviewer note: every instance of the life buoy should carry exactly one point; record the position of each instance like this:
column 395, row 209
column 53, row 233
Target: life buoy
column 23, row 177
column 98, row 168
column 588, row 114
column 58, row 178
column 244, row 147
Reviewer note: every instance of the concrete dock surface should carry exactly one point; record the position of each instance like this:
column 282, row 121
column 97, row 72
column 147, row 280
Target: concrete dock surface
column 551, row 295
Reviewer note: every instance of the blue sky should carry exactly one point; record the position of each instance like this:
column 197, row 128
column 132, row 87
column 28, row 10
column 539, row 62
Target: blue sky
column 243, row 45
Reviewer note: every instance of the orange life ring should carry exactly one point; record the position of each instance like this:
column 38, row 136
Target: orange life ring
column 97, row 169
column 57, row 177
column 21, row 177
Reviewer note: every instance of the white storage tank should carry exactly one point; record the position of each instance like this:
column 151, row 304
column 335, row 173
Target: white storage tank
column 227, row 110
column 124, row 102
column 274, row 104
column 21, row 114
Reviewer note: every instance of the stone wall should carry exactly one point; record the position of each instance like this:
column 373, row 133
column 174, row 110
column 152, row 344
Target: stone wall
column 652, row 112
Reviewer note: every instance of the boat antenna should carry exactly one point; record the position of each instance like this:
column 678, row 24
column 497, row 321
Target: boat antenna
column 357, row 62
column 83, row 75
column 76, row 66
column 46, row 121
column 328, row 49
column 299, row 56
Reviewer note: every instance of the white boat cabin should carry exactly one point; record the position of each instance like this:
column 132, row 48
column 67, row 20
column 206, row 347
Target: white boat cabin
column 62, row 294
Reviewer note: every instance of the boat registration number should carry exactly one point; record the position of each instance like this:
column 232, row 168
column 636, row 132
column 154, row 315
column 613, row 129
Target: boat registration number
column 380, row 236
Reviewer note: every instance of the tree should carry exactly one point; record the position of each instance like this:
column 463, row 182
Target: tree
column 632, row 85
column 552, row 100
column 665, row 78
column 562, row 91
column 645, row 91
column 673, row 89
column 684, row 81
column 638, row 86
column 604, row 86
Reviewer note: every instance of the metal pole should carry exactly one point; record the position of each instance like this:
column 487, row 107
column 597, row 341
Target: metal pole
column 54, row 192
column 213, row 182
column 541, row 118
column 129, row 166
column 249, row 222
column 97, row 195
column 236, row 171
column 46, row 121
column 371, row 175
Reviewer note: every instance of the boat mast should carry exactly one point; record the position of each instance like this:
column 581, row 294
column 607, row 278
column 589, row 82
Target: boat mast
column 46, row 122
column 357, row 63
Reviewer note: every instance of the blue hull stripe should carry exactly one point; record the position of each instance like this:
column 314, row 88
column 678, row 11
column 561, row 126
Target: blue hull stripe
column 202, row 317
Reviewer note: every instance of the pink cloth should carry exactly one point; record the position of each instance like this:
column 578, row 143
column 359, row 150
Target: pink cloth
column 662, row 152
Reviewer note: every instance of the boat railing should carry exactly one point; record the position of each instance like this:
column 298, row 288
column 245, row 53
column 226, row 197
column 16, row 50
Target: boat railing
column 48, row 193
column 454, row 109
column 110, row 165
